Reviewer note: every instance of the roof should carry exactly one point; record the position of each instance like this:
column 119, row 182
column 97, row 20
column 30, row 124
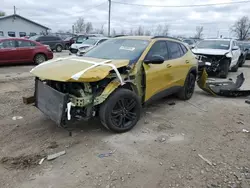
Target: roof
column 98, row 38
column 136, row 37
column 220, row 39
column 16, row 15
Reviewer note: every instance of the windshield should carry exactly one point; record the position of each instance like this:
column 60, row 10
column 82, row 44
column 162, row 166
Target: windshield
column 80, row 39
column 214, row 44
column 188, row 41
column 90, row 41
column 34, row 37
column 130, row 49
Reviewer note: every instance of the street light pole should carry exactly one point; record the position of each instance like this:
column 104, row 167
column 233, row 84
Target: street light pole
column 109, row 18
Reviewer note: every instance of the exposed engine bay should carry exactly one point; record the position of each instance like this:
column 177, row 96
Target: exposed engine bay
column 212, row 63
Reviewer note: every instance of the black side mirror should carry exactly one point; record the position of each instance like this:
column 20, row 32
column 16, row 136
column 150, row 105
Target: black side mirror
column 155, row 59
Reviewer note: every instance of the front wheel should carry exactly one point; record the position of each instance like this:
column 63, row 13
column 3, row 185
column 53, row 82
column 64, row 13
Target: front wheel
column 188, row 88
column 121, row 111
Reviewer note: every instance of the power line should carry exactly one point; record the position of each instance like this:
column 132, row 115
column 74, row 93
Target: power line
column 182, row 6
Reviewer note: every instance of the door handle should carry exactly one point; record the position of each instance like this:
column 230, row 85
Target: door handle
column 168, row 65
column 187, row 61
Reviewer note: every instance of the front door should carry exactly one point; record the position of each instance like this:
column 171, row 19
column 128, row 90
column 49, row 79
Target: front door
column 235, row 54
column 159, row 77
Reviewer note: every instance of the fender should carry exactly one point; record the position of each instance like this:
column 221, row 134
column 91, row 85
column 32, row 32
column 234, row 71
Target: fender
column 111, row 87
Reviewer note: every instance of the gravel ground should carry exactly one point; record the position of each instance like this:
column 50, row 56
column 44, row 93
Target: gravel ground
column 199, row 143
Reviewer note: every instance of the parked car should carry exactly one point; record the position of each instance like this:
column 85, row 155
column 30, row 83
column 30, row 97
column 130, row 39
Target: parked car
column 244, row 48
column 69, row 41
column 19, row 50
column 86, row 45
column 55, row 43
column 219, row 55
column 190, row 42
column 114, row 79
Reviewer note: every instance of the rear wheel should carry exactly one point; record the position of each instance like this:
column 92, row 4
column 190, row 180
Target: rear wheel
column 121, row 111
column 188, row 88
column 39, row 58
column 224, row 69
column 59, row 48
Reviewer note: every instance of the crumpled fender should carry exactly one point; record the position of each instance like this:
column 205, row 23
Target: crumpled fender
column 224, row 88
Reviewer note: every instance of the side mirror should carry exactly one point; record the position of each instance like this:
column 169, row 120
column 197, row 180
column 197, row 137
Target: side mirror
column 235, row 48
column 155, row 59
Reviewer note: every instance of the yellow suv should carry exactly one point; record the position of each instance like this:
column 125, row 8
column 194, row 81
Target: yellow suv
column 114, row 79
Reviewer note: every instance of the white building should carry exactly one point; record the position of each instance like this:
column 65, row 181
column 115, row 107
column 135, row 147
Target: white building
column 18, row 26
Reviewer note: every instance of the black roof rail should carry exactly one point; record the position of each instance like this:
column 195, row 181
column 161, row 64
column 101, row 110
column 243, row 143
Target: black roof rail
column 119, row 36
column 155, row 37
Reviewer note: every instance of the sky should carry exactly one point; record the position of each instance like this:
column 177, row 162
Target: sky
column 62, row 14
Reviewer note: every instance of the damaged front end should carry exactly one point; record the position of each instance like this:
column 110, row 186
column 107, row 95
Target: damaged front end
column 212, row 63
column 68, row 102
column 222, row 88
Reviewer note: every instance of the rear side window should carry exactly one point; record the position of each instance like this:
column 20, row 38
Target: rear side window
column 56, row 38
column 7, row 44
column 11, row 34
column 174, row 50
column 22, row 43
column 158, row 48
column 1, row 33
column 184, row 49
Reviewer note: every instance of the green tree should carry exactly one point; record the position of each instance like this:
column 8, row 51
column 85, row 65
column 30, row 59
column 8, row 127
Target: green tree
column 2, row 13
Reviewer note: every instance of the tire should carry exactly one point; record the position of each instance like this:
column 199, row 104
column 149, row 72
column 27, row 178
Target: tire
column 242, row 61
column 224, row 69
column 121, row 111
column 188, row 89
column 66, row 47
column 235, row 67
column 39, row 58
column 59, row 48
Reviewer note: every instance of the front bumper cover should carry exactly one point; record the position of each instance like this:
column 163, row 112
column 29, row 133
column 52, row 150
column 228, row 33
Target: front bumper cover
column 224, row 88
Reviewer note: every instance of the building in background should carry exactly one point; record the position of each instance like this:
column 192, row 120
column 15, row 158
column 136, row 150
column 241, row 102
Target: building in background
column 17, row 26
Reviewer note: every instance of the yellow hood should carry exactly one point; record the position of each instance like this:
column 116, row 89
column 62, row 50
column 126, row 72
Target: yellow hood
column 64, row 69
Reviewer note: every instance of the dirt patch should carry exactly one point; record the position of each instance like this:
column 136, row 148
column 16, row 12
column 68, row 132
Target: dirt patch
column 52, row 145
column 22, row 161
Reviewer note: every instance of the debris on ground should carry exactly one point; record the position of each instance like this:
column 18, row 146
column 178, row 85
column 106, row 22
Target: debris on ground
column 224, row 88
column 41, row 161
column 29, row 100
column 245, row 131
column 240, row 122
column 52, row 145
column 247, row 101
column 22, row 161
column 102, row 155
column 17, row 118
column 206, row 160
column 171, row 103
column 55, row 155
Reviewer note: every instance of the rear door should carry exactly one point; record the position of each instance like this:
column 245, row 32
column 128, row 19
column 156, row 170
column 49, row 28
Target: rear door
column 179, row 62
column 25, row 50
column 8, row 51
column 47, row 40
column 158, row 76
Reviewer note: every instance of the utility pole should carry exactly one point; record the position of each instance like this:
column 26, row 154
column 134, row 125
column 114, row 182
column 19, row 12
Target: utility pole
column 109, row 17
column 14, row 10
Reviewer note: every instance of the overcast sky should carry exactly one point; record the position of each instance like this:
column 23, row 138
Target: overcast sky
column 61, row 14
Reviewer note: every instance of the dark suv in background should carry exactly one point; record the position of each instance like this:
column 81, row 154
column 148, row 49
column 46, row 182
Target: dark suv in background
column 55, row 43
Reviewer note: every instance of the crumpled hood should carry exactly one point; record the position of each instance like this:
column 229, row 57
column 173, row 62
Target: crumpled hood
column 209, row 51
column 70, row 68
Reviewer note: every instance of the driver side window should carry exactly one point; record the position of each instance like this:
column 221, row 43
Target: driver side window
column 158, row 48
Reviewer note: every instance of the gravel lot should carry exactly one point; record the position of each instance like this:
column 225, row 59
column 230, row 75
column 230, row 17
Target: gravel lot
column 164, row 150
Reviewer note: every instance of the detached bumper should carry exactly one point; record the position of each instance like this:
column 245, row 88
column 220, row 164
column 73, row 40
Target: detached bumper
column 51, row 102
